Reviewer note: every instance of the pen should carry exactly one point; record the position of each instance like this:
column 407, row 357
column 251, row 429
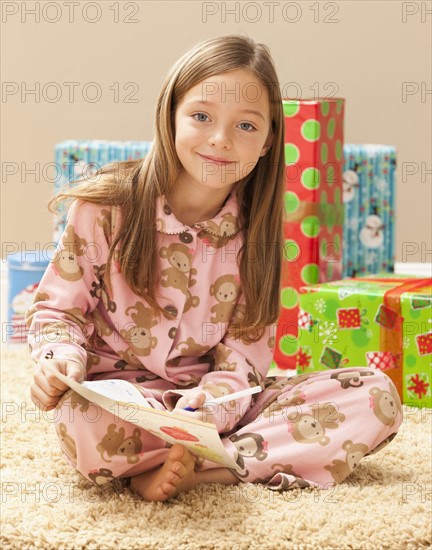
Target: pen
column 229, row 397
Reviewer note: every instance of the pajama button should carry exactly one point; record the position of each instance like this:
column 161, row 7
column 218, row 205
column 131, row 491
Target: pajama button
column 186, row 237
column 172, row 310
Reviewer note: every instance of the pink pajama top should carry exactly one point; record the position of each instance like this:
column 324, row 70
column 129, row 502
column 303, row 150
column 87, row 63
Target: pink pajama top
column 120, row 336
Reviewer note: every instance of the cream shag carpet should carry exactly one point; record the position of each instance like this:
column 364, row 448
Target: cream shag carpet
column 385, row 503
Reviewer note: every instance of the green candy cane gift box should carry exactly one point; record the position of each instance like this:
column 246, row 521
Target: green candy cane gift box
column 381, row 321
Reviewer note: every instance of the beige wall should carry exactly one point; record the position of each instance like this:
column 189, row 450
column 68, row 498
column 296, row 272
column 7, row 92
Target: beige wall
column 369, row 49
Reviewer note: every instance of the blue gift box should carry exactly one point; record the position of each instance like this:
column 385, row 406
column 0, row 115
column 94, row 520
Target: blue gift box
column 369, row 200
column 25, row 270
column 78, row 159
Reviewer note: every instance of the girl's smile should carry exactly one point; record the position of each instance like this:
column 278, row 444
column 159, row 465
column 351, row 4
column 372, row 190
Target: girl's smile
column 214, row 160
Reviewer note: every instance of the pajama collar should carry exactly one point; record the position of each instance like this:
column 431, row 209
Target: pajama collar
column 224, row 224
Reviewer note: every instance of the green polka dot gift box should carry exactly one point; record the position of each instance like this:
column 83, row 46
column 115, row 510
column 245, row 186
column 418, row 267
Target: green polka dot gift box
column 314, row 210
column 381, row 321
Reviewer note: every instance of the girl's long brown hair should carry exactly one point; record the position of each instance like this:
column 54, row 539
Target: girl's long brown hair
column 134, row 185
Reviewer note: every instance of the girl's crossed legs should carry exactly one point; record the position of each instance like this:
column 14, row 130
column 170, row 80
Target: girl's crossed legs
column 308, row 430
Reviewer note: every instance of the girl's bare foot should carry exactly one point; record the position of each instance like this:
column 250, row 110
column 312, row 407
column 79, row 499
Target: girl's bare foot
column 175, row 476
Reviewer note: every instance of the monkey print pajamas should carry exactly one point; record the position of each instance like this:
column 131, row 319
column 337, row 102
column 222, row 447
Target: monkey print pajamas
column 311, row 429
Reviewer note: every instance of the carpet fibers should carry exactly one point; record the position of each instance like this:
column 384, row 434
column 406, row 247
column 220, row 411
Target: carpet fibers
column 384, row 503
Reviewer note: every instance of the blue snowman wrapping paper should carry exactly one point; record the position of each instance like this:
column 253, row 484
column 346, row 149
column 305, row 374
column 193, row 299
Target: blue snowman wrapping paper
column 78, row 159
column 369, row 200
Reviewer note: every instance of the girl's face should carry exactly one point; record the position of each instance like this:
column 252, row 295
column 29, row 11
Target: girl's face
column 227, row 117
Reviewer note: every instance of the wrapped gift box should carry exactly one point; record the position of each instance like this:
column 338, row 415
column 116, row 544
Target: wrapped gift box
column 379, row 321
column 24, row 272
column 77, row 159
column 369, row 199
column 314, row 209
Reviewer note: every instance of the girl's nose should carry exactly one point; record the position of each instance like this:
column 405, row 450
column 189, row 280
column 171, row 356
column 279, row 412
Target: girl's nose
column 220, row 138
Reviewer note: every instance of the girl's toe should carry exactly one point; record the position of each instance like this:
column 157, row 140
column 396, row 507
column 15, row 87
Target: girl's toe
column 180, row 470
column 174, row 478
column 168, row 488
column 176, row 467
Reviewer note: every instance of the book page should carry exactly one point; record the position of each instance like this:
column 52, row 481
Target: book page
column 200, row 438
column 118, row 390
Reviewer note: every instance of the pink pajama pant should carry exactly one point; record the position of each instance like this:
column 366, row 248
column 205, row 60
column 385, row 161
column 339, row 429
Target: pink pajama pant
column 308, row 430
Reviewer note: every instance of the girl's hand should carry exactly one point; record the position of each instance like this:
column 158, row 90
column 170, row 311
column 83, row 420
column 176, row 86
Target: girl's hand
column 204, row 414
column 193, row 401
column 46, row 389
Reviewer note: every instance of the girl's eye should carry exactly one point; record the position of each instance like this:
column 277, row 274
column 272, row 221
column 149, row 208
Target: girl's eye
column 198, row 114
column 247, row 123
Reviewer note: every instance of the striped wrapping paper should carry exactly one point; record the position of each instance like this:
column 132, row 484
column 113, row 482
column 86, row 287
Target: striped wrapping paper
column 369, row 199
column 76, row 159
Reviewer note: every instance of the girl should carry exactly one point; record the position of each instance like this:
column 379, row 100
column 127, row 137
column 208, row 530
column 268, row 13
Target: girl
column 168, row 275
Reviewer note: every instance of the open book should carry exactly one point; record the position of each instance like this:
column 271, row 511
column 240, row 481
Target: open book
column 125, row 401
